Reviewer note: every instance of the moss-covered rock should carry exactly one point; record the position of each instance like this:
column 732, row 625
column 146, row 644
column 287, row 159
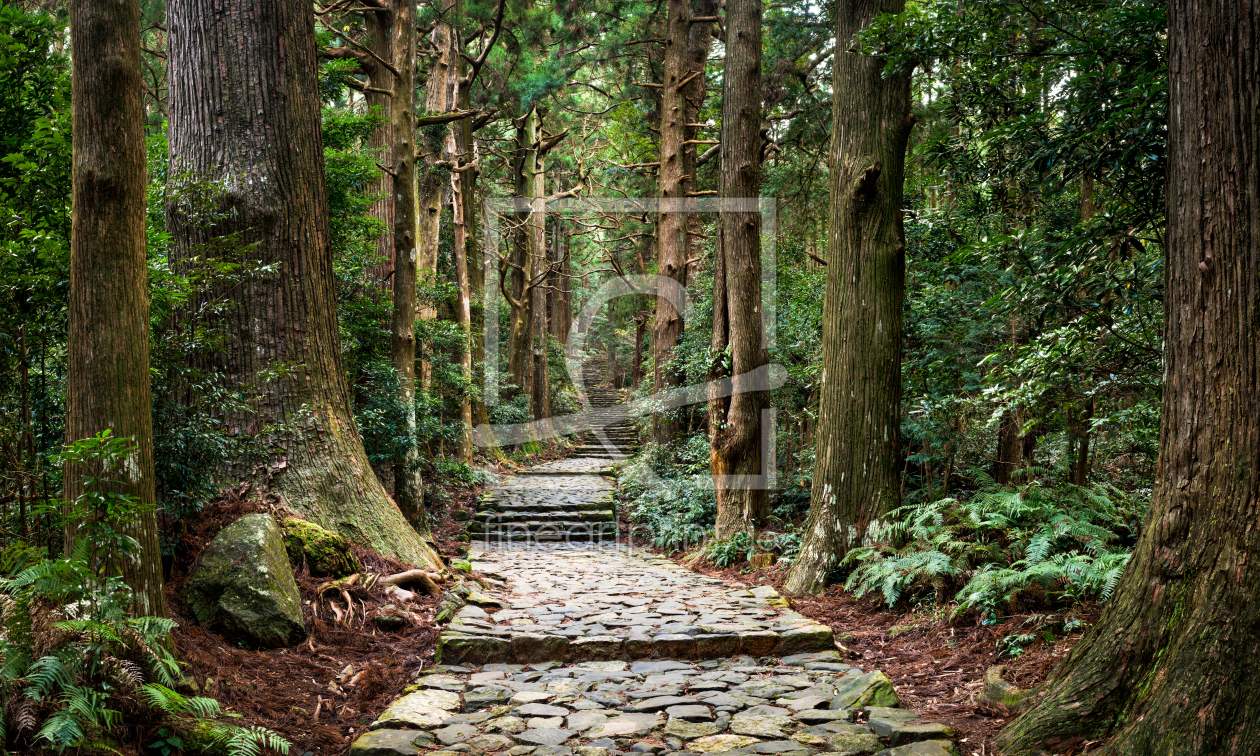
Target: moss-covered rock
column 326, row 553
column 244, row 586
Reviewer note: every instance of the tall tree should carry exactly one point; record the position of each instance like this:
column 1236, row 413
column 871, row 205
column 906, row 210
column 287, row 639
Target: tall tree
column 686, row 52
column 107, row 346
column 1168, row 667
column 408, row 485
column 738, row 330
column 859, row 424
column 246, row 151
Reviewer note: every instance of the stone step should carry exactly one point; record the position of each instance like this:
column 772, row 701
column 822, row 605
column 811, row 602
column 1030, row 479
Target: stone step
column 482, row 520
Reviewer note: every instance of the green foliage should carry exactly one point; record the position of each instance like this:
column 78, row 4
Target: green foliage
column 1045, row 545
column 71, row 653
column 667, row 501
column 730, row 551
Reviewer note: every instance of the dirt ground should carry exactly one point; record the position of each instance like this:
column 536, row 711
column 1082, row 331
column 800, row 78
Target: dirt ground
column 323, row 692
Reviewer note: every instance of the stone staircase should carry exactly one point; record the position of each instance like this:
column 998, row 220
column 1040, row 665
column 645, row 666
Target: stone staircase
column 566, row 500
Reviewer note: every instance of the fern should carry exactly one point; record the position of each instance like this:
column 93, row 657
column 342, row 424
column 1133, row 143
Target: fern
column 69, row 696
column 998, row 544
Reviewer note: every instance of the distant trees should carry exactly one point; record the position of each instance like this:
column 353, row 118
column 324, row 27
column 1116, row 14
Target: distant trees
column 856, row 476
column 246, row 152
column 108, row 342
column 1168, row 667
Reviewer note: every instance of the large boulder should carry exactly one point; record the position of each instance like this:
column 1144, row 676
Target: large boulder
column 244, row 586
column 325, row 553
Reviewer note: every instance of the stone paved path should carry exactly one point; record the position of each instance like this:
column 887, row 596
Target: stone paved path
column 806, row 704
column 580, row 646
column 609, row 603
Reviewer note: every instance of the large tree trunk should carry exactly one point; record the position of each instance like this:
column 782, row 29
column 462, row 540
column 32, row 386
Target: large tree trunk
column 107, row 346
column 735, row 421
column 859, row 424
column 432, row 181
column 671, row 224
column 245, row 123
column 1170, row 666
column 459, row 153
column 408, row 485
column 540, row 402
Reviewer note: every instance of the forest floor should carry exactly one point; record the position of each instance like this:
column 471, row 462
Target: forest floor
column 322, row 693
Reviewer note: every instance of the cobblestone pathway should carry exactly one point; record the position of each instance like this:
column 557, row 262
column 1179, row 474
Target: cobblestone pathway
column 580, row 646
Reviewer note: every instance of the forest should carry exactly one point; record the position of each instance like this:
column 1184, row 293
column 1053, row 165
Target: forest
column 941, row 318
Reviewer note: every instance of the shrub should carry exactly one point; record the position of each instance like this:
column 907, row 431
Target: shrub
column 1046, row 544
column 72, row 658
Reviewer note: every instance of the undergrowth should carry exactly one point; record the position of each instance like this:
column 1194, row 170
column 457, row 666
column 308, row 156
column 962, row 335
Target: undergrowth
column 1000, row 548
column 76, row 667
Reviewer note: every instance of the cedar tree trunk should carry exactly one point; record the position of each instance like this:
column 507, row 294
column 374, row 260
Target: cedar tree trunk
column 244, row 122
column 859, row 425
column 735, row 421
column 108, row 342
column 408, row 485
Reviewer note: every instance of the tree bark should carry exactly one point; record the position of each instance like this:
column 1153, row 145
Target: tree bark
column 380, row 36
column 671, row 224
column 859, row 426
column 245, row 123
column 1170, row 664
column 408, row 483
column 525, row 164
column 735, row 421
column 107, row 345
column 459, row 153
column 536, row 229
column 433, row 144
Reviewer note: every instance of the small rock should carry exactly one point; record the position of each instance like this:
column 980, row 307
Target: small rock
column 690, row 712
column 818, row 716
column 423, row 709
column 491, row 743
column 761, row 726
column 470, row 649
column 532, row 648
column 543, row 710
column 509, row 725
column 718, row 743
column 585, row 720
column 456, row 734
column 626, row 724
column 691, row 730
column 544, row 723
column 812, row 637
column 385, row 743
column 487, row 696
column 553, row 736
column 924, row 748
column 854, row 743
column 661, row 702
column 530, row 696
column 864, row 691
